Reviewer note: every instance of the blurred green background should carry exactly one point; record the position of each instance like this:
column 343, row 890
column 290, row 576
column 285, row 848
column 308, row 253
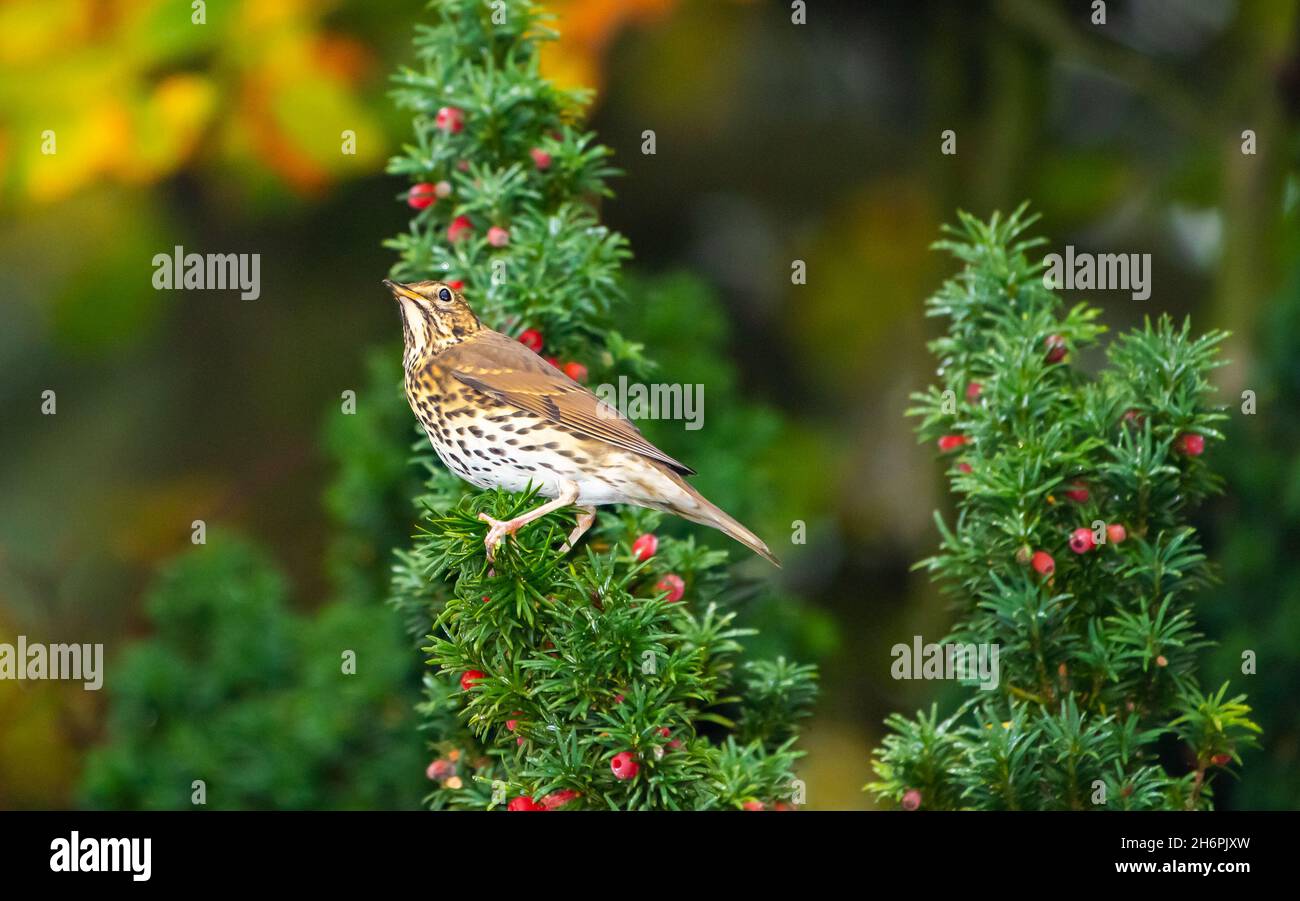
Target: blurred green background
column 775, row 142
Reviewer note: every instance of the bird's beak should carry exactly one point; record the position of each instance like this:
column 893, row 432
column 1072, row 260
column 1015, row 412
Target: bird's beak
column 400, row 291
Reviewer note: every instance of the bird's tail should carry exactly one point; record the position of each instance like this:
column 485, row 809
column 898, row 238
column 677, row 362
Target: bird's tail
column 697, row 508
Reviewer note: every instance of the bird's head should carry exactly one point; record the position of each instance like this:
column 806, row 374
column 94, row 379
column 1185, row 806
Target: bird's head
column 434, row 317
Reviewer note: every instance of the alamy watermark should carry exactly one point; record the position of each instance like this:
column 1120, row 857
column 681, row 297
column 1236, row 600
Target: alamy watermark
column 181, row 271
column 37, row 661
column 960, row 662
column 636, row 400
column 1098, row 271
column 76, row 854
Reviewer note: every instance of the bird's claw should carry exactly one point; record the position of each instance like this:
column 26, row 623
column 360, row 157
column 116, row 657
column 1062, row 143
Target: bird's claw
column 496, row 534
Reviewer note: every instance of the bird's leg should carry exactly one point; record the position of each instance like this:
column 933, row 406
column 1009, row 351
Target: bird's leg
column 586, row 517
column 501, row 528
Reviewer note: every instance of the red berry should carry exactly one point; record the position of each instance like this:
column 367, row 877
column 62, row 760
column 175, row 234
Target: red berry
column 1078, row 492
column 553, row 361
column 624, row 765
column 644, row 547
column 753, row 805
column 541, row 159
column 512, row 724
column 486, row 598
column 559, row 798
column 952, row 442
column 673, row 584
column 1055, row 346
column 1115, row 533
column 421, row 196
column 1191, row 444
column 456, row 284
column 440, row 769
column 1081, row 540
column 460, row 227
column 911, row 799
column 575, row 371
column 469, row 677
column 523, row 802
column 1043, row 563
column 973, row 391
column 665, row 732
column 964, row 468
column 1221, row 759
column 498, row 236
column 531, row 338
column 450, row 119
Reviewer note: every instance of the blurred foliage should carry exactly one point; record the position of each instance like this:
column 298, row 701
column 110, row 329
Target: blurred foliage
column 1257, row 608
column 236, row 690
column 133, row 90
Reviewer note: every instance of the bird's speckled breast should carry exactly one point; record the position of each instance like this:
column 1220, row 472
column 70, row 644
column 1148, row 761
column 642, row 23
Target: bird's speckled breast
column 491, row 444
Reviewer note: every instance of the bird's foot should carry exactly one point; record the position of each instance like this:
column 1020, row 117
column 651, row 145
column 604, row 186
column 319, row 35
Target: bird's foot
column 586, row 516
column 500, row 528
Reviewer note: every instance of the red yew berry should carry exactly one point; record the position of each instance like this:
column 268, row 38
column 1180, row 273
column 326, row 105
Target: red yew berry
column 1078, row 492
column 531, row 338
column 1055, row 347
column 557, row 799
column 523, row 802
column 541, row 159
column 1115, row 533
column 644, row 547
column 469, row 677
column 1043, row 563
column 911, row 799
column 673, row 584
column 753, row 805
column 1191, row 444
column 450, row 119
column 498, row 236
column 456, row 284
column 624, row 765
column 973, row 391
column 1081, row 540
column 1221, row 759
column 575, row 371
column 421, row 196
column 460, row 227
column 952, row 442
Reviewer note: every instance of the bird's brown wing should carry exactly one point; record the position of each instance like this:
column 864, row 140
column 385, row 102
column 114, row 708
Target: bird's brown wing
column 508, row 372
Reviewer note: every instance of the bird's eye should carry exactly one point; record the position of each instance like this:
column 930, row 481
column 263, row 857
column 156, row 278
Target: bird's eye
column 444, row 295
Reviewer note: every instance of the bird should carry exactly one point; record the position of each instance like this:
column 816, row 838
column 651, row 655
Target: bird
column 500, row 416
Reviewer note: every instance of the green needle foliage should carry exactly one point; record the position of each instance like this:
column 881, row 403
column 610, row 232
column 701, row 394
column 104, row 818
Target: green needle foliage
column 1097, row 705
column 546, row 667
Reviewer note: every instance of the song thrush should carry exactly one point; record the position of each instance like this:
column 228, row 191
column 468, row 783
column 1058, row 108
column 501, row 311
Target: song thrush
column 499, row 415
